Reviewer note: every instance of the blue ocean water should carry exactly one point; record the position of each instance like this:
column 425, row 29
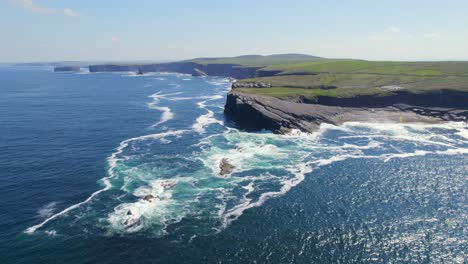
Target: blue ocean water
column 80, row 152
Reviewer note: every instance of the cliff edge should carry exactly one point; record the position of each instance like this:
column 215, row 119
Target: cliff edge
column 256, row 112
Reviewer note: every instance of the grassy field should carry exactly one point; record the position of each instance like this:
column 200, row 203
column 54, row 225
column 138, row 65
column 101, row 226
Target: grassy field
column 358, row 77
column 363, row 81
column 374, row 67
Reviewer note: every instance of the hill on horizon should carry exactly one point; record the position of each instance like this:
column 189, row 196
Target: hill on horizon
column 259, row 60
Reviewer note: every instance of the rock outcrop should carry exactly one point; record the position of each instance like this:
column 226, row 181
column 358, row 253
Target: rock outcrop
column 251, row 85
column 255, row 112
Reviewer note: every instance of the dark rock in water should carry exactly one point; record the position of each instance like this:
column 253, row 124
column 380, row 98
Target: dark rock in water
column 149, row 198
column 67, row 69
column 225, row 167
column 129, row 212
column 140, row 71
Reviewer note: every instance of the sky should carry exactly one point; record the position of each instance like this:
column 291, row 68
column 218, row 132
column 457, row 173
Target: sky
column 157, row 30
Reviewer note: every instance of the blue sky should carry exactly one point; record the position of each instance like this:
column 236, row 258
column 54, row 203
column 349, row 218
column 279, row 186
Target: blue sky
column 125, row 30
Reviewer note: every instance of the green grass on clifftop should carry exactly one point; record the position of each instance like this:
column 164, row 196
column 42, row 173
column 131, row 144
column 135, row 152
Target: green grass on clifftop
column 374, row 67
column 358, row 77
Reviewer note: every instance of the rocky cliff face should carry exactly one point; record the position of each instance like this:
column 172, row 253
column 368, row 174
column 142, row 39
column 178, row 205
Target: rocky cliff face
column 254, row 112
column 440, row 98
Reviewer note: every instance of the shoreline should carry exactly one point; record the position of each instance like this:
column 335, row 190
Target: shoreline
column 256, row 112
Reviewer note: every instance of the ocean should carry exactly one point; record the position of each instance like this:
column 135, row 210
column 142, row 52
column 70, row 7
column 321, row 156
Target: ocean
column 121, row 168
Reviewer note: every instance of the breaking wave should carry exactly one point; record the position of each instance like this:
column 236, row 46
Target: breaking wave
column 167, row 114
column 156, row 186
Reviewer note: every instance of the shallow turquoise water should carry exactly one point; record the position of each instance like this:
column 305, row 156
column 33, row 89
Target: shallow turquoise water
column 80, row 151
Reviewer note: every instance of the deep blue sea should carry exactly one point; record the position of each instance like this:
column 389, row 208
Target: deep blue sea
column 80, row 152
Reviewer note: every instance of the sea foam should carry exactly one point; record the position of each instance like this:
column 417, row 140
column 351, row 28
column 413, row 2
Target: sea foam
column 167, row 114
column 112, row 161
column 267, row 166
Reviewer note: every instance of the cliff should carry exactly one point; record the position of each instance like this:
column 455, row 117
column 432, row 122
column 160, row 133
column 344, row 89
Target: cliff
column 195, row 69
column 314, row 90
column 67, row 69
column 256, row 112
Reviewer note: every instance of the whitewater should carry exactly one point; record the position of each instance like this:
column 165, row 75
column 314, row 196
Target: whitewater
column 266, row 165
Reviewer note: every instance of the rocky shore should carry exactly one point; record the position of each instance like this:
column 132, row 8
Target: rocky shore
column 255, row 112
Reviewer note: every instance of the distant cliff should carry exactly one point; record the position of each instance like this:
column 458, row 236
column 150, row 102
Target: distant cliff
column 67, row 69
column 195, row 69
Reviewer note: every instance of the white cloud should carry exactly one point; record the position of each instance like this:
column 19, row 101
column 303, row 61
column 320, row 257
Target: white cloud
column 31, row 6
column 69, row 12
column 432, row 35
column 393, row 29
column 115, row 40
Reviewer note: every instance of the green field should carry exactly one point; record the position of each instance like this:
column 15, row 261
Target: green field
column 358, row 77
column 374, row 67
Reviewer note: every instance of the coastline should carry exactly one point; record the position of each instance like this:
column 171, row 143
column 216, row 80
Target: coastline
column 256, row 112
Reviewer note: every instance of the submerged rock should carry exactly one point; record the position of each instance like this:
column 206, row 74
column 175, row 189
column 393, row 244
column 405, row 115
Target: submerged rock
column 225, row 167
column 168, row 184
